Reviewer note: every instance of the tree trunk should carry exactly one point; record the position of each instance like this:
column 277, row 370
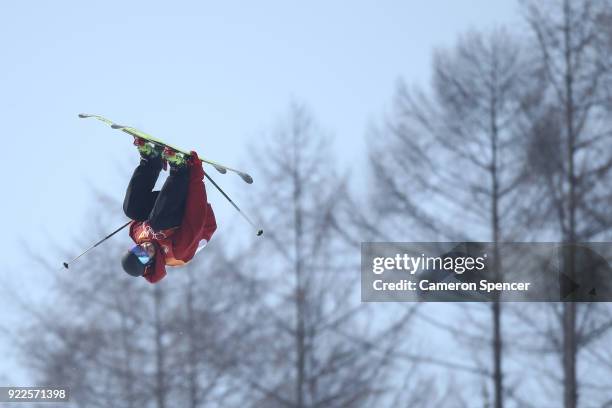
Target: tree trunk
column 498, row 383
column 299, row 287
column 497, row 355
column 127, row 363
column 570, row 395
column 160, row 381
column 192, row 363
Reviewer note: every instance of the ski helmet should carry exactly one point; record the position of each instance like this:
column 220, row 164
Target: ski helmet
column 132, row 265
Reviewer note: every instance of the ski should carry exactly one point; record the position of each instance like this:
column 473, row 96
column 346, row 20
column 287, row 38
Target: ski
column 138, row 133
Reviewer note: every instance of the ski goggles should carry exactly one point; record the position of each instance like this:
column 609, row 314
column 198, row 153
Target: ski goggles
column 142, row 254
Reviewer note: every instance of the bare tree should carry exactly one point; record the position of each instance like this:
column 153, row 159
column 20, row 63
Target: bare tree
column 322, row 348
column 120, row 341
column 573, row 54
column 449, row 166
column 213, row 327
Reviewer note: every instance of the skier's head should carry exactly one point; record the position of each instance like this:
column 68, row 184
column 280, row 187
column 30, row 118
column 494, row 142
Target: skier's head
column 136, row 260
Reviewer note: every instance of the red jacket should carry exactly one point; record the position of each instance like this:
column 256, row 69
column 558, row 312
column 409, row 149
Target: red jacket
column 176, row 246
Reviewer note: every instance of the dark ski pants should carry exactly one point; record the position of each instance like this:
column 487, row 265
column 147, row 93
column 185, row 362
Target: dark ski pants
column 163, row 209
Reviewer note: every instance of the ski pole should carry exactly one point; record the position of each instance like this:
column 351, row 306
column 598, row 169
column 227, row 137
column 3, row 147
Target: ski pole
column 259, row 231
column 98, row 243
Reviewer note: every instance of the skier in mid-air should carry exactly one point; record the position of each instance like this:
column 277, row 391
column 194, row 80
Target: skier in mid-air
column 169, row 226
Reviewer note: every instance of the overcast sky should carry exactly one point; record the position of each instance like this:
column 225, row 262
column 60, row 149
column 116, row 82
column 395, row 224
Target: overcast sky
column 208, row 76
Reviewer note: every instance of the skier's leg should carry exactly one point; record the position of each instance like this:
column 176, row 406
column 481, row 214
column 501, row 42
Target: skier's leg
column 170, row 204
column 140, row 197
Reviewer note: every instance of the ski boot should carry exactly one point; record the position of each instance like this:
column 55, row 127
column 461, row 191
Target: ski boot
column 178, row 161
column 149, row 152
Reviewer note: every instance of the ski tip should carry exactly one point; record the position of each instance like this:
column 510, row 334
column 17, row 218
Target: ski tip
column 220, row 169
column 259, row 233
column 247, row 179
column 66, row 263
column 83, row 115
